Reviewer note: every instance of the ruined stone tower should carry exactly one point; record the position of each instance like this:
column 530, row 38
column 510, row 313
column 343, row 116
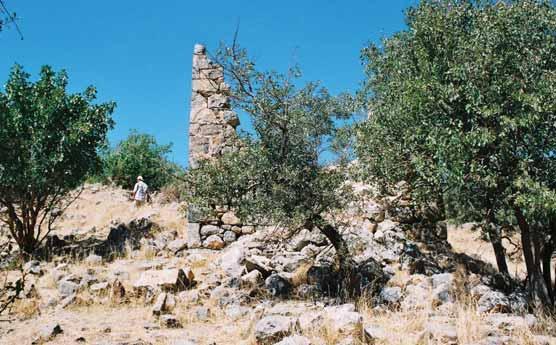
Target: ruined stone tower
column 211, row 121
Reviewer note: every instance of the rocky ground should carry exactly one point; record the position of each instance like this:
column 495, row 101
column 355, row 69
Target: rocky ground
column 120, row 275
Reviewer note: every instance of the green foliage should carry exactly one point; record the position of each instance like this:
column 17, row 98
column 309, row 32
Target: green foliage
column 139, row 155
column 277, row 175
column 464, row 106
column 49, row 141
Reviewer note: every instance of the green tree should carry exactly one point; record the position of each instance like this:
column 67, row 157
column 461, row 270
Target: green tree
column 463, row 108
column 139, row 154
column 48, row 144
column 278, row 176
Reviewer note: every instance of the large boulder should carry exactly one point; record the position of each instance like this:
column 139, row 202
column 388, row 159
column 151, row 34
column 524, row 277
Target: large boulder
column 493, row 301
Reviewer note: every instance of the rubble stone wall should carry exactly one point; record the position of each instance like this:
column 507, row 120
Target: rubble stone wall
column 211, row 121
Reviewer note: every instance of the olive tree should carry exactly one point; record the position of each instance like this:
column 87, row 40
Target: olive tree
column 279, row 175
column 48, row 144
column 463, row 108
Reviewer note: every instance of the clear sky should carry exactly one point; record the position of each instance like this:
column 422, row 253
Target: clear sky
column 138, row 53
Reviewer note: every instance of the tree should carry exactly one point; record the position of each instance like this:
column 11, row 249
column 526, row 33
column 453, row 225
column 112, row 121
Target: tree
column 48, row 144
column 7, row 18
column 139, row 154
column 463, row 106
column 278, row 175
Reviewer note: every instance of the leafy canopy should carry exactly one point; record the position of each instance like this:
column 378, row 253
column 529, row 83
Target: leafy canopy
column 49, row 141
column 277, row 174
column 139, row 154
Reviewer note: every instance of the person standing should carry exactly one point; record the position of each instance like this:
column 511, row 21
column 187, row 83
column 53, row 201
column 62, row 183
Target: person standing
column 140, row 192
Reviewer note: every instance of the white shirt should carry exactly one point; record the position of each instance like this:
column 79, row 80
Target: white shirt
column 140, row 190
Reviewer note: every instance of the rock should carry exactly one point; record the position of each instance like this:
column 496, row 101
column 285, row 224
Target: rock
column 231, row 260
column 170, row 321
column 209, row 230
column 273, row 328
column 294, row 340
column 277, row 285
column 386, row 225
column 159, row 305
column 229, row 236
column 324, row 277
column 374, row 333
column 193, row 235
column 247, row 229
column 177, row 245
column 218, row 101
column 67, row 288
column 310, row 321
column 289, row 261
column 49, row 332
column 253, row 278
column 33, row 267
column 493, row 301
column 201, row 313
column 189, row 297
column 66, row 301
column 441, row 332
column 345, row 320
column 236, row 311
column 416, row 297
column 214, row 242
column 117, row 294
column 259, row 263
column 166, row 280
column 230, row 218
column 391, row 295
column 511, row 322
column 100, row 287
column 442, row 279
column 93, row 259
column 231, row 118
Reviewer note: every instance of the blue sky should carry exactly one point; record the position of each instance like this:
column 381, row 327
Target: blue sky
column 138, row 53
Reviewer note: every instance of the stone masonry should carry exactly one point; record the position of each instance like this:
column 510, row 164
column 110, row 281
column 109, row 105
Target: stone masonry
column 211, row 121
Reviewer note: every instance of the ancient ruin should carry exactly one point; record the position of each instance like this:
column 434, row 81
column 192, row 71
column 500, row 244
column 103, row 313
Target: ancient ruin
column 211, row 121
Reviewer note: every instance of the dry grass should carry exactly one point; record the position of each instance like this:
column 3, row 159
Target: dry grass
column 465, row 240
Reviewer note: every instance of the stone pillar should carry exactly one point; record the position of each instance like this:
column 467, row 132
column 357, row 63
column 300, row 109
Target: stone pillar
column 211, row 121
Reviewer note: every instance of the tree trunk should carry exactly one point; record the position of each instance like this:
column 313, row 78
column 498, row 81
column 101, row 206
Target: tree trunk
column 499, row 250
column 535, row 279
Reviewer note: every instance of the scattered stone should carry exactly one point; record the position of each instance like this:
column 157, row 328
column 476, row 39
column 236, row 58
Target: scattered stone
column 100, row 287
column 247, row 229
column 345, row 320
column 277, row 285
column 166, row 280
column 259, row 263
column 170, row 321
column 177, row 245
column 493, row 301
column 159, row 305
column 391, row 295
column 201, row 313
column 294, row 340
column 33, row 267
column 49, row 332
column 93, row 259
column 67, row 288
column 273, row 328
column 253, row 278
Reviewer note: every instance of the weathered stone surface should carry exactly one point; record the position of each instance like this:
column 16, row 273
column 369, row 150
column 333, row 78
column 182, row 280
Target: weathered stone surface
column 170, row 321
column 278, row 285
column 273, row 328
column 67, row 288
column 214, row 242
column 209, row 230
column 294, row 340
column 230, row 218
column 493, row 301
column 345, row 320
column 210, row 133
column 194, row 235
column 252, row 278
column 229, row 236
column 391, row 295
column 166, row 280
